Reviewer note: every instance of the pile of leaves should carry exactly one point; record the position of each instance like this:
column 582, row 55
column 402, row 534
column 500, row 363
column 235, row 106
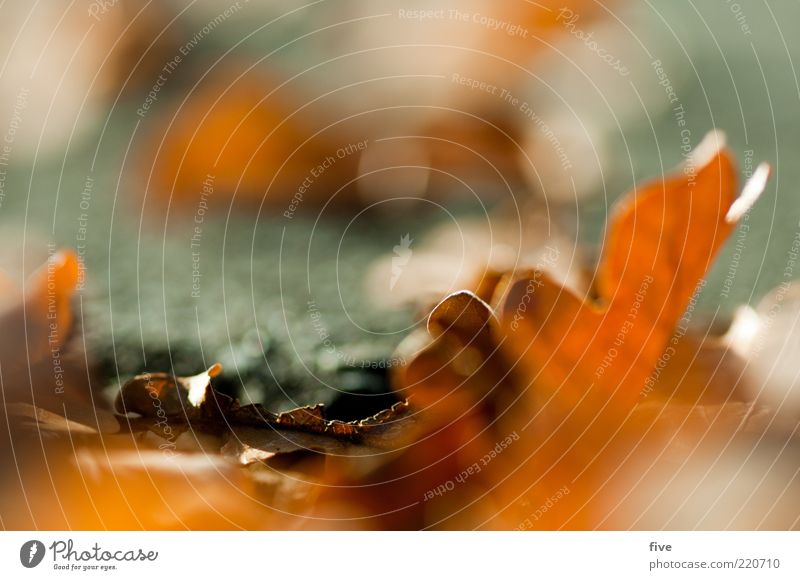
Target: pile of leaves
column 526, row 405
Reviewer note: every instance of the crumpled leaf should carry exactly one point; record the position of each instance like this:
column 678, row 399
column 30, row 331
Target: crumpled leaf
column 306, row 428
column 152, row 394
column 192, row 403
column 188, row 460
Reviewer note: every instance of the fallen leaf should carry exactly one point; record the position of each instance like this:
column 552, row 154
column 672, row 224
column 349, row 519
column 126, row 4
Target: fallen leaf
column 177, row 404
column 153, row 394
column 566, row 370
column 660, row 242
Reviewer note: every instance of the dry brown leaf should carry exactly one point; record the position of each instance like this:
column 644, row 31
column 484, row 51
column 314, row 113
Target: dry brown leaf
column 163, row 394
column 251, row 432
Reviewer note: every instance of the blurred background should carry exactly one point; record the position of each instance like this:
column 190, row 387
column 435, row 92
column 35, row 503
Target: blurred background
column 284, row 187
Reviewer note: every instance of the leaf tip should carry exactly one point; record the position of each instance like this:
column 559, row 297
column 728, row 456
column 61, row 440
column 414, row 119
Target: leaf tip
column 214, row 370
column 751, row 191
column 712, row 145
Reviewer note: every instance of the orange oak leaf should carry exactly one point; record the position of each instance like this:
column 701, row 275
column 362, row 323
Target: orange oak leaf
column 661, row 240
column 566, row 369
